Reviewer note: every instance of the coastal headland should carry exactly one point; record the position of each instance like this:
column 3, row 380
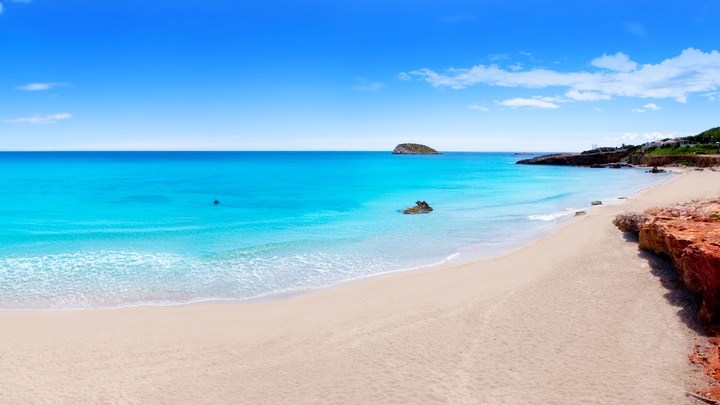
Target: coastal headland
column 622, row 157
column 578, row 316
column 701, row 150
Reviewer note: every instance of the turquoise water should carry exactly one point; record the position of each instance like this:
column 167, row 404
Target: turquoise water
column 110, row 229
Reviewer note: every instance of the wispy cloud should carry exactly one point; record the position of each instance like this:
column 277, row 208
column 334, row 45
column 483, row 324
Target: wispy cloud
column 693, row 71
column 43, row 86
column 40, row 119
column 13, row 1
column 479, row 108
column 586, row 95
column 370, row 86
column 648, row 106
column 528, row 102
column 646, row 137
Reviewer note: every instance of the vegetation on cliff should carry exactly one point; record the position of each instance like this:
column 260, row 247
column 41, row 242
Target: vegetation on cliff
column 702, row 150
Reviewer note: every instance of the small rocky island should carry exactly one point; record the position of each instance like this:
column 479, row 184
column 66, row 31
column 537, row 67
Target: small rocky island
column 414, row 149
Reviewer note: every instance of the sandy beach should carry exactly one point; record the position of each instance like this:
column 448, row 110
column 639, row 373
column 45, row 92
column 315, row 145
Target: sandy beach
column 579, row 316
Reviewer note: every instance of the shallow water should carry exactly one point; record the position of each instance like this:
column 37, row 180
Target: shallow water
column 108, row 229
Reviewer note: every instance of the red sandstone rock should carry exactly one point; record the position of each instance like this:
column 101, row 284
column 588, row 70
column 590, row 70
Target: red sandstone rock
column 707, row 355
column 689, row 233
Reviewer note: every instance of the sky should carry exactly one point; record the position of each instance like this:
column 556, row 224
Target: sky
column 482, row 75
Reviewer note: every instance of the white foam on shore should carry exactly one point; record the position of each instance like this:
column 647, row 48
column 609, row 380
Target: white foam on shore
column 553, row 215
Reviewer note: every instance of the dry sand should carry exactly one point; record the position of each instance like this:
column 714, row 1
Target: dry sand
column 579, row 316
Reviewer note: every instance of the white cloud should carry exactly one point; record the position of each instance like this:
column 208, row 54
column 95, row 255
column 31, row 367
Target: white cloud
column 479, row 108
column 586, row 95
column 515, row 67
column 404, row 76
column 42, row 86
column 634, row 136
column 648, row 106
column 693, row 71
column 618, row 62
column 40, row 119
column 528, row 102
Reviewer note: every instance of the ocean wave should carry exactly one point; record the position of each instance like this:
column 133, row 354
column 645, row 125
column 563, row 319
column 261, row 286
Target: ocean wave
column 553, row 215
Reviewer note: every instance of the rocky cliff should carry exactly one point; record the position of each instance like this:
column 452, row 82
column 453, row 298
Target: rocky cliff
column 414, row 149
column 693, row 160
column 577, row 159
column 688, row 233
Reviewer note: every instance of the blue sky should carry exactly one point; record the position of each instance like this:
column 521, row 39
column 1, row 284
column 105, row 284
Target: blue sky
column 483, row 75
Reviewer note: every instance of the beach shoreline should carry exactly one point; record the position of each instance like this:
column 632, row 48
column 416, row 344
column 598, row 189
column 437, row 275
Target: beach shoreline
column 579, row 315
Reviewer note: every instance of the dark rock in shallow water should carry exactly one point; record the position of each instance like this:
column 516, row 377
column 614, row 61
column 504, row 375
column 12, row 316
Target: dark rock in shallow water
column 414, row 149
column 421, row 207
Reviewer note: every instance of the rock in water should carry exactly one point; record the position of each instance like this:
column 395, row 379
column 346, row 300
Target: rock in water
column 414, row 149
column 421, row 207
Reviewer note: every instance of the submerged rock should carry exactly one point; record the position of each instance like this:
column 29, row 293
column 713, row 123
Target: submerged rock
column 421, row 207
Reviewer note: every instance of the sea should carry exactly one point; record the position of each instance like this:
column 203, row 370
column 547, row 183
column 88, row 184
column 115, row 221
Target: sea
column 118, row 229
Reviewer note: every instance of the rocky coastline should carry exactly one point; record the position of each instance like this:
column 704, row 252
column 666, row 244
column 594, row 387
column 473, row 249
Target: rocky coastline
column 577, row 159
column 689, row 234
column 620, row 158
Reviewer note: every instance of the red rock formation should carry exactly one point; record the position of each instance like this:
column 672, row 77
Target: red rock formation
column 707, row 355
column 689, row 233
